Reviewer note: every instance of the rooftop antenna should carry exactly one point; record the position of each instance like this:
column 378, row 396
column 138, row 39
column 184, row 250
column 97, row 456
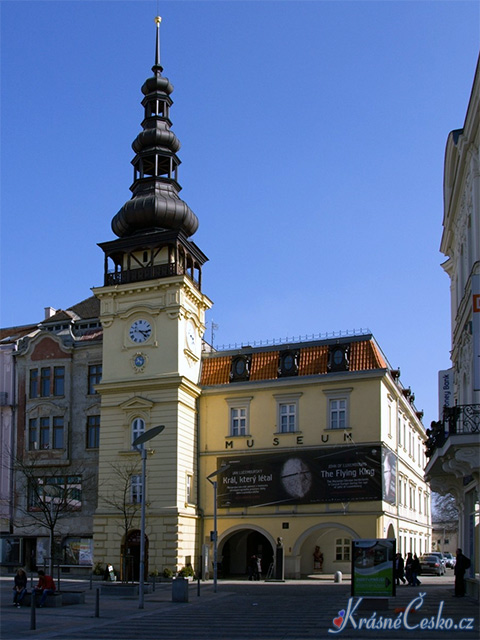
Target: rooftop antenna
column 158, row 20
column 213, row 327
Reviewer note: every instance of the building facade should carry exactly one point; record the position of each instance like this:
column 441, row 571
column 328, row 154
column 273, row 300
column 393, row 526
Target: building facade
column 55, row 439
column 324, row 446
column 454, row 446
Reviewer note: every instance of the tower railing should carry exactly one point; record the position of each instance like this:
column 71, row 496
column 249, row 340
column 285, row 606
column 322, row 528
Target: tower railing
column 152, row 272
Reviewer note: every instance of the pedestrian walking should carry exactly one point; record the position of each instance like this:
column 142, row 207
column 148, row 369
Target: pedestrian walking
column 258, row 574
column 416, row 570
column 408, row 568
column 399, row 569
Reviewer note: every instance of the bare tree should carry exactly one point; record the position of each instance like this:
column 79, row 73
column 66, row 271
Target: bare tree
column 118, row 496
column 49, row 494
column 444, row 508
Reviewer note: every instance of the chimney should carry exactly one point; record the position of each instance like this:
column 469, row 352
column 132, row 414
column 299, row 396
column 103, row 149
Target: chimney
column 49, row 312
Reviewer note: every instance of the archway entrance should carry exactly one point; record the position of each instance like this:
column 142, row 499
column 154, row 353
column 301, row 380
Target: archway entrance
column 130, row 571
column 237, row 550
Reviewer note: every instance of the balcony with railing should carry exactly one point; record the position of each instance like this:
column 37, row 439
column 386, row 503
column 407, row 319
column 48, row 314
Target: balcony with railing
column 453, row 447
column 150, row 272
column 463, row 418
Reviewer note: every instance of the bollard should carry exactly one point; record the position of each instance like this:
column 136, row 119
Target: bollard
column 32, row 612
column 91, row 581
column 153, row 582
column 97, row 603
column 338, row 576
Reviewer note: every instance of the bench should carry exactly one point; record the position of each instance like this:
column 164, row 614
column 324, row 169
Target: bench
column 53, row 600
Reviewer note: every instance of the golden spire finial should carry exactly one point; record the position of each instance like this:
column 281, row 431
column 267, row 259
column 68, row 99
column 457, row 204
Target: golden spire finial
column 157, row 45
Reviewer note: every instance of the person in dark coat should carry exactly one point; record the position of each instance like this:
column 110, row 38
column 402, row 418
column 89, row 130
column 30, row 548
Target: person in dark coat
column 462, row 564
column 408, row 568
column 399, row 569
column 20, row 587
column 416, row 570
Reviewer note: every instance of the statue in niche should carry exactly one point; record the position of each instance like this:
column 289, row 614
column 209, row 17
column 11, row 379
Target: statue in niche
column 317, row 560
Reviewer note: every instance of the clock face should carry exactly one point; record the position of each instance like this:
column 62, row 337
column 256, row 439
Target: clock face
column 191, row 335
column 140, row 331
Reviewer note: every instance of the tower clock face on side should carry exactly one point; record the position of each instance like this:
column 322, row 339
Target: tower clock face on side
column 191, row 335
column 140, row 331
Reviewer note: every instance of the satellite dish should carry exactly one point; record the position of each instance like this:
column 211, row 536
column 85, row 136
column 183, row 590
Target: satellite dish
column 148, row 435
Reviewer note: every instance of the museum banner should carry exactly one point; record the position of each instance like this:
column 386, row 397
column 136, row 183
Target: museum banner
column 329, row 474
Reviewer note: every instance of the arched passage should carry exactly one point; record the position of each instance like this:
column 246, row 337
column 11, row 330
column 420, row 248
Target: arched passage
column 237, row 547
column 333, row 539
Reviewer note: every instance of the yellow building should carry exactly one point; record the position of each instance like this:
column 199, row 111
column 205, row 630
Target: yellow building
column 324, row 444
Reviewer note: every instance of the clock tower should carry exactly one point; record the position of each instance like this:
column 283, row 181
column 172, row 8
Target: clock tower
column 153, row 318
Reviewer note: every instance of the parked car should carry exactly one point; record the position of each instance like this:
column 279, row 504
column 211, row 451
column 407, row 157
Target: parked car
column 450, row 560
column 431, row 564
column 439, row 555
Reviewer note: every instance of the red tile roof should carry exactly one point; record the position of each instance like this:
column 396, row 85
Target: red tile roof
column 313, row 360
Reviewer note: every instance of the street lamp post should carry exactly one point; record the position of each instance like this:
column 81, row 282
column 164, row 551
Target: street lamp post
column 144, row 437
column 215, row 532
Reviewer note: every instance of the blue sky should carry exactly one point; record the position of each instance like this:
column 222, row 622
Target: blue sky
column 313, row 137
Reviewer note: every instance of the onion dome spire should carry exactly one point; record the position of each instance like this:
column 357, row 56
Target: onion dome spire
column 155, row 204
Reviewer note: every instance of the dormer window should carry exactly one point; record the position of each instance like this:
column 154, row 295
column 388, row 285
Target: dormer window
column 240, row 370
column 338, row 357
column 288, row 362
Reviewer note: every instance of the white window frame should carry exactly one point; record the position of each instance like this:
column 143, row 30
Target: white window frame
column 334, row 397
column 137, row 428
column 236, row 405
column 136, row 489
column 291, row 402
column 343, row 548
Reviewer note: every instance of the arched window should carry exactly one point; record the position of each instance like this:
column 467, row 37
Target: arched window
column 138, row 427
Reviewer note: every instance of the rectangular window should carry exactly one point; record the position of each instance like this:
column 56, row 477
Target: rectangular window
column 288, row 417
column 188, row 489
column 94, row 377
column 33, row 383
column 238, row 425
column 57, row 433
column 58, row 381
column 33, row 434
column 44, row 433
column 342, row 548
column 338, row 413
column 136, row 489
column 60, row 493
column 45, row 382
column 399, row 431
column 93, row 432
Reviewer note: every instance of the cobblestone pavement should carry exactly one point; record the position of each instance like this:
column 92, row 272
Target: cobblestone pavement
column 293, row 610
